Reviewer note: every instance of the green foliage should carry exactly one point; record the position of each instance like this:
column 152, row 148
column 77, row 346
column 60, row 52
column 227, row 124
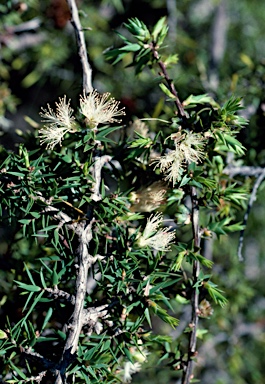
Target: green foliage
column 146, row 41
column 136, row 225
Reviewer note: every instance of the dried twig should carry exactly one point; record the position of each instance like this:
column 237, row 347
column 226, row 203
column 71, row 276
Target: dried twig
column 31, row 25
column 96, row 173
column 18, row 43
column 37, row 378
column 80, row 38
column 92, row 316
column 243, row 171
column 80, row 316
column 76, row 322
column 259, row 173
column 83, row 229
column 62, row 217
column 46, row 363
column 55, row 292
column 250, row 203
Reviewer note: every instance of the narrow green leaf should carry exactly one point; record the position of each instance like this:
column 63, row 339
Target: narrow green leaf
column 159, row 28
column 199, row 99
column 61, row 334
column 47, row 318
column 215, row 293
column 130, row 47
column 28, row 287
column 163, row 285
column 184, row 180
column 147, row 316
column 3, row 335
column 17, row 370
column 25, row 221
column 50, row 227
column 128, row 354
column 46, row 266
column 42, row 278
column 18, row 174
column 55, row 278
column 167, row 91
column 29, row 274
column 32, row 307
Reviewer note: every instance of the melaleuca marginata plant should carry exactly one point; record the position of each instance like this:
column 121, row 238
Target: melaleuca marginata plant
column 111, row 232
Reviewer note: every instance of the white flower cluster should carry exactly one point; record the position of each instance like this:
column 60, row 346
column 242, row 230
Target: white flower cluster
column 58, row 123
column 149, row 198
column 188, row 149
column 97, row 109
column 128, row 368
column 152, row 236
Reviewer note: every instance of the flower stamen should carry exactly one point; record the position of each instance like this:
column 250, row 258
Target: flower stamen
column 99, row 109
column 58, row 123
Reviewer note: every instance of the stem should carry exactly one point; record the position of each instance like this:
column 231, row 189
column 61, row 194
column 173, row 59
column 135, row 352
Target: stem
column 80, row 38
column 170, row 83
column 83, row 230
column 259, row 173
column 77, row 319
column 246, row 215
column 187, row 373
column 244, row 171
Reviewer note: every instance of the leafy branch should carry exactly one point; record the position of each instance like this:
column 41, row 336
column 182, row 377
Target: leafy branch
column 109, row 214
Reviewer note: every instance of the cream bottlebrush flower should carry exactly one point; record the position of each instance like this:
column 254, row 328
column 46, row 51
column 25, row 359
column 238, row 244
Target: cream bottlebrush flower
column 99, row 109
column 148, row 199
column 159, row 239
column 58, row 123
column 192, row 147
column 128, row 368
column 188, row 149
column 171, row 165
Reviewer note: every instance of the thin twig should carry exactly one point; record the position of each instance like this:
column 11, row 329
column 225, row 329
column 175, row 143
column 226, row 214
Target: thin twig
column 187, row 374
column 35, row 356
column 170, row 83
column 243, row 171
column 250, row 203
column 37, row 378
column 62, row 217
column 96, row 173
column 92, row 315
column 80, row 38
column 31, row 25
column 80, row 316
column 76, row 323
column 56, row 293
column 249, row 171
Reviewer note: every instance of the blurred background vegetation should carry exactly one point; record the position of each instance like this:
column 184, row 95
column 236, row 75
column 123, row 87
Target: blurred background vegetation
column 220, row 44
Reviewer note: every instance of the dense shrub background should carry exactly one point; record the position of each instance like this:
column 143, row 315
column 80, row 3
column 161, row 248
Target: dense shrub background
column 221, row 52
